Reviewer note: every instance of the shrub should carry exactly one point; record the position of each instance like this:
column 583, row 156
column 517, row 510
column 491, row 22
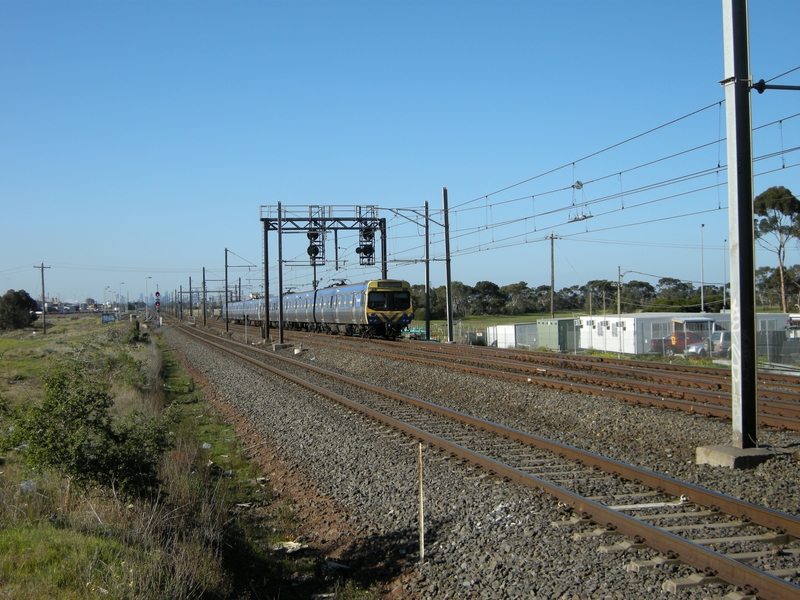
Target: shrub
column 73, row 433
column 134, row 336
column 17, row 310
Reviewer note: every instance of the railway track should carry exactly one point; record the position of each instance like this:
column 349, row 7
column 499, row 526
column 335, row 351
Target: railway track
column 693, row 389
column 753, row 547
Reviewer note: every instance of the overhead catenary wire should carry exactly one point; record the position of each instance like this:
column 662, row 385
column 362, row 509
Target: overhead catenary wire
column 593, row 154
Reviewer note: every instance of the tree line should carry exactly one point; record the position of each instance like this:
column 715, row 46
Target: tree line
column 600, row 295
column 776, row 224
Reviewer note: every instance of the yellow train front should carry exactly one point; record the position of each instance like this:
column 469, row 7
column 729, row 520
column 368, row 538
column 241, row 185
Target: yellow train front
column 378, row 308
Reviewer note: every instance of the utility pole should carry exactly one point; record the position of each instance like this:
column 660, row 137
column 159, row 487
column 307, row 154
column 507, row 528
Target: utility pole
column 702, row 273
column 265, row 325
column 743, row 450
column 204, row 297
column 44, row 308
column 280, row 274
column 447, row 267
column 226, row 289
column 740, row 223
column 427, row 275
column 552, row 280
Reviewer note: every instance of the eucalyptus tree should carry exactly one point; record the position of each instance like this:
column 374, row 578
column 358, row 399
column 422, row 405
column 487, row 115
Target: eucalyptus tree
column 777, row 223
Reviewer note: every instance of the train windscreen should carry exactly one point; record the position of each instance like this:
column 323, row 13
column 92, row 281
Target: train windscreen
column 389, row 301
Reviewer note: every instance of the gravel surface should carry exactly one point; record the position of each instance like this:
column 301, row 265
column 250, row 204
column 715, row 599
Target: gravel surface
column 483, row 538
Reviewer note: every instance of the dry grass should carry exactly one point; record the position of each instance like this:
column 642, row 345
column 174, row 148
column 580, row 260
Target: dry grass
column 186, row 541
column 57, row 542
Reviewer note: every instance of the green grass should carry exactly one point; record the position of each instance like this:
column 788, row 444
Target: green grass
column 209, row 532
column 43, row 561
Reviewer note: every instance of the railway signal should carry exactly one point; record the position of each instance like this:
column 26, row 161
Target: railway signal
column 366, row 247
column 316, row 247
column 158, row 300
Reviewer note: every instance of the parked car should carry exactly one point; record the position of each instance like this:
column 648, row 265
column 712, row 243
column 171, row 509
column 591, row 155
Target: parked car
column 719, row 344
column 675, row 343
column 698, row 349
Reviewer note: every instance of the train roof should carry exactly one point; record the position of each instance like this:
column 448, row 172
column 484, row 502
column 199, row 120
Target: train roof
column 347, row 287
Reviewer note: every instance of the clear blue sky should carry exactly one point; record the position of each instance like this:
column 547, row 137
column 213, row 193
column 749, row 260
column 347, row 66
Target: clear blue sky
column 139, row 139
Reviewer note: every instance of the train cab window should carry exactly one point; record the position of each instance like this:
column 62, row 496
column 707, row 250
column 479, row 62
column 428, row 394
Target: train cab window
column 376, row 300
column 401, row 300
column 389, row 300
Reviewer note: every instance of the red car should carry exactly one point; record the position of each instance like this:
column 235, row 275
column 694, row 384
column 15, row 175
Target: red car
column 675, row 343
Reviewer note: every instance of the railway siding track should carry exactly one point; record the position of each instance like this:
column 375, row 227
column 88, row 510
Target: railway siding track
column 592, row 485
column 780, row 412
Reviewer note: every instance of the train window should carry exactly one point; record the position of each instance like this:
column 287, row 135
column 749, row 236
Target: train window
column 389, row 301
column 376, row 300
column 400, row 300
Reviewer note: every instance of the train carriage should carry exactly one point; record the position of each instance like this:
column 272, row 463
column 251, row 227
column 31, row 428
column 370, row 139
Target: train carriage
column 379, row 307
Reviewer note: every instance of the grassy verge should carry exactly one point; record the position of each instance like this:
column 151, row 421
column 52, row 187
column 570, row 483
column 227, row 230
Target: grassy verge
column 207, row 531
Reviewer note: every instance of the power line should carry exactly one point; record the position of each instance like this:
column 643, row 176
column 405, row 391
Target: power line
column 593, row 154
column 782, row 74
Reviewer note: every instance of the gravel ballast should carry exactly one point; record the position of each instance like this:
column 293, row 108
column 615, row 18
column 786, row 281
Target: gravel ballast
column 483, row 538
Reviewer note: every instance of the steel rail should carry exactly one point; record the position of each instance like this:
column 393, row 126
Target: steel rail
column 734, row 572
column 687, row 400
column 773, row 411
column 706, row 378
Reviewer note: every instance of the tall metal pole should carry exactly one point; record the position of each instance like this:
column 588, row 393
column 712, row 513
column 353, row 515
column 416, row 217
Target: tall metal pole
column 702, row 273
column 180, row 304
column 724, row 271
column 620, row 329
column 265, row 328
column 335, row 254
column 447, row 267
column 191, row 312
column 280, row 274
column 552, row 279
column 204, row 297
column 427, row 275
column 384, row 258
column 226, row 289
column 744, row 368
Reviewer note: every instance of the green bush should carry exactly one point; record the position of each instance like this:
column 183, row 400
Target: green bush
column 17, row 310
column 134, row 336
column 73, row 433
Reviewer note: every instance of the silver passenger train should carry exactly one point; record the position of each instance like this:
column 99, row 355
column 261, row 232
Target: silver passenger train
column 378, row 308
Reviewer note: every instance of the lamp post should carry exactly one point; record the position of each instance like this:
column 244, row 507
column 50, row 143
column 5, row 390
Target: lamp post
column 620, row 275
column 702, row 275
column 724, row 270
column 105, row 297
column 146, row 296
